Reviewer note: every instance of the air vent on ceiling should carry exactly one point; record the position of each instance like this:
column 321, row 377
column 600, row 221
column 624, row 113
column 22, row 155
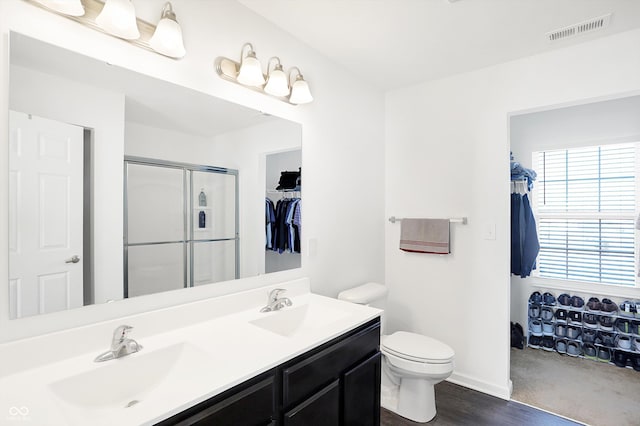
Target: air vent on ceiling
column 580, row 28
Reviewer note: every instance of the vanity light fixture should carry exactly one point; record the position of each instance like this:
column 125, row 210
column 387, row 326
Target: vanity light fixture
column 167, row 39
column 277, row 82
column 118, row 18
column 300, row 93
column 248, row 73
column 66, row 7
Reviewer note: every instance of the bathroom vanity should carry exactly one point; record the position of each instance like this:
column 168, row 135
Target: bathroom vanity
column 337, row 383
column 218, row 361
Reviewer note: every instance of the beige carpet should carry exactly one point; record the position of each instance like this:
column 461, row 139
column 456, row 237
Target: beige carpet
column 588, row 391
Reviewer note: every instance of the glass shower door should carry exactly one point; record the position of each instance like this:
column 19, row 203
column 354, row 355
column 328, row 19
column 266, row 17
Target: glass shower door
column 155, row 229
column 214, row 227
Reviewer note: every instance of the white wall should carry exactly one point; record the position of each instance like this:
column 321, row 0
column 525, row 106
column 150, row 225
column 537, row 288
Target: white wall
column 342, row 133
column 594, row 123
column 102, row 111
column 447, row 154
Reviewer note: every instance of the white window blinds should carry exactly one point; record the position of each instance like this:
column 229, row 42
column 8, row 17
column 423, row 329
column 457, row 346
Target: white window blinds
column 585, row 209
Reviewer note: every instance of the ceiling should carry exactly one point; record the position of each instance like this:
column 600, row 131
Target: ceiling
column 397, row 43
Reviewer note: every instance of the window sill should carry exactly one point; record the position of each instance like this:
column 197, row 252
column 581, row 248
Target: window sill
column 610, row 290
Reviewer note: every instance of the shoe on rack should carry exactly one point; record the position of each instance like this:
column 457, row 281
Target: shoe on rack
column 547, row 328
column 573, row 332
column 634, row 327
column 561, row 346
column 546, row 313
column 604, row 354
column 623, row 342
column 576, row 302
column 535, row 297
column 590, row 320
column 534, row 310
column 564, row 299
column 609, row 306
column 606, row 322
column 573, row 349
column 623, row 325
column 561, row 315
column 620, row 358
column 548, row 343
column 535, row 326
column 588, row 335
column 575, row 317
column 535, row 341
column 594, row 305
column 628, row 309
column 561, row 330
column 606, row 339
column 635, row 361
column 589, row 351
column 548, row 299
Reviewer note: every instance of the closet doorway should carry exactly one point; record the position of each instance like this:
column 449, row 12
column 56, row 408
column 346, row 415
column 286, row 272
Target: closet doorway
column 181, row 226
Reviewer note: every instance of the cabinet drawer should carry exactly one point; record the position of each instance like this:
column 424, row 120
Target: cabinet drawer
column 252, row 404
column 301, row 379
column 321, row 409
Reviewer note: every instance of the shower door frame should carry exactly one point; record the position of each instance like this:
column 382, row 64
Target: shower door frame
column 188, row 240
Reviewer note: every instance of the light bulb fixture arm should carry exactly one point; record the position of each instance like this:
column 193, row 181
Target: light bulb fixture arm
column 278, row 64
column 168, row 13
column 249, row 53
column 299, row 76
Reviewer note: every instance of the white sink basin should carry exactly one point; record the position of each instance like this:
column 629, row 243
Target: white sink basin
column 296, row 320
column 118, row 385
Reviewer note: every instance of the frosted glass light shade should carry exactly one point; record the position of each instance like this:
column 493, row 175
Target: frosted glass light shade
column 300, row 93
column 277, row 84
column 66, row 7
column 250, row 73
column 118, row 17
column 167, row 39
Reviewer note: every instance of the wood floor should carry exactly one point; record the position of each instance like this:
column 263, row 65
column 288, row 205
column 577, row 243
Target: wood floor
column 459, row 406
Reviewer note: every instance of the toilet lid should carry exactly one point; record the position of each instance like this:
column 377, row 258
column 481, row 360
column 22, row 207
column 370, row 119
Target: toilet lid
column 417, row 347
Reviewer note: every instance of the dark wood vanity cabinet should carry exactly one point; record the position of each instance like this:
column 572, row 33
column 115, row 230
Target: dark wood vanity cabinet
column 337, row 383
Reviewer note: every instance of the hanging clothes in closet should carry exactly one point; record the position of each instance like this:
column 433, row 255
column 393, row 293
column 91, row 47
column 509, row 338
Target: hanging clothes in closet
column 283, row 225
column 524, row 235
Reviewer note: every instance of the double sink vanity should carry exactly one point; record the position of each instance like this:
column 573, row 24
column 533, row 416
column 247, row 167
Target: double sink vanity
column 315, row 362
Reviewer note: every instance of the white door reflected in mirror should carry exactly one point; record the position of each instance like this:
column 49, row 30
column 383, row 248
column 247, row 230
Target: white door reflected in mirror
column 45, row 219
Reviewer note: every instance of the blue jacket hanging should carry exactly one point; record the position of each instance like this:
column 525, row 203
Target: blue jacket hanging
column 524, row 237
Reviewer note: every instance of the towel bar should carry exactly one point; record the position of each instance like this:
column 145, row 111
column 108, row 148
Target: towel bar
column 462, row 220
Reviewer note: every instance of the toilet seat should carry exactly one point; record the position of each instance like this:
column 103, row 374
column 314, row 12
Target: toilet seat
column 417, row 348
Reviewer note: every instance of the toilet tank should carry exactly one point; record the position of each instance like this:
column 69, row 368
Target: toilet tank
column 372, row 294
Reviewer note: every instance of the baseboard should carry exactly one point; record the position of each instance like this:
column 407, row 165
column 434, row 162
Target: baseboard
column 481, row 386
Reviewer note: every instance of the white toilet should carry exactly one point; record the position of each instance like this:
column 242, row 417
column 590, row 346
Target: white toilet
column 412, row 361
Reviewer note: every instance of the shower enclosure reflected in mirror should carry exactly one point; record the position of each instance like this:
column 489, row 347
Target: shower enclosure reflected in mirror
column 81, row 131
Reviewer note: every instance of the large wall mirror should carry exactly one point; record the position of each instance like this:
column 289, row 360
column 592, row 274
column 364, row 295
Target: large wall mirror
column 124, row 185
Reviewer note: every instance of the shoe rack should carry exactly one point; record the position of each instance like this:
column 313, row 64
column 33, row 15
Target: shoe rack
column 621, row 340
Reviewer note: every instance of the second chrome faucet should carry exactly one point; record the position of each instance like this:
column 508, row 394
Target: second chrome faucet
column 275, row 301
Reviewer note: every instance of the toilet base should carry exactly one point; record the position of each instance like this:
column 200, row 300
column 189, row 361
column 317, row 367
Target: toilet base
column 416, row 400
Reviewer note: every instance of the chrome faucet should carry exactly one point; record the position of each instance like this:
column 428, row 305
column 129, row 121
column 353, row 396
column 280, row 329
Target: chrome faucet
column 121, row 345
column 275, row 301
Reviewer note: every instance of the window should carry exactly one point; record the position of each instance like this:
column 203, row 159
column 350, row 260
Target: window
column 585, row 210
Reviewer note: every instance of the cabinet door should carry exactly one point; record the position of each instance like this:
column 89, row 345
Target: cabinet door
column 361, row 390
column 321, row 409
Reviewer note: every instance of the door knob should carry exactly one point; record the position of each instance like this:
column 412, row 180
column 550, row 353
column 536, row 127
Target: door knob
column 74, row 259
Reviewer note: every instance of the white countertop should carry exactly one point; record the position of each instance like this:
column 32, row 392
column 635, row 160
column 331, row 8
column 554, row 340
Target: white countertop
column 220, row 353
